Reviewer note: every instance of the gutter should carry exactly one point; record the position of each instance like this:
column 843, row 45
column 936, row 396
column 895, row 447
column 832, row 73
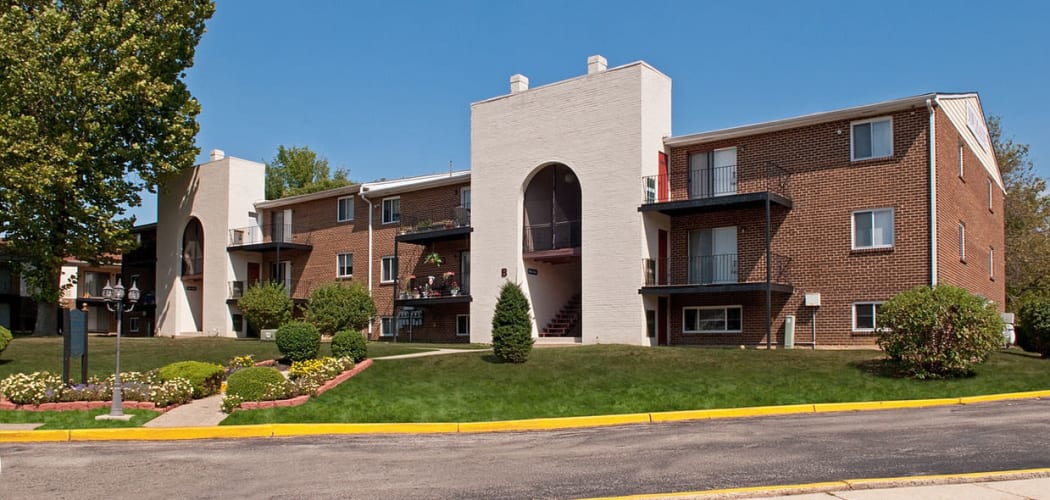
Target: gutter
column 931, row 104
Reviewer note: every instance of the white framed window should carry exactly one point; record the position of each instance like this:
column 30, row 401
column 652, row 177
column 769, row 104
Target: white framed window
column 344, row 265
column 989, row 194
column 391, row 210
column 462, row 325
column 962, row 241
column 873, row 228
column 388, row 269
column 865, row 316
column 345, row 209
column 386, row 326
column 871, row 138
column 464, row 197
column 962, row 157
column 991, row 263
column 721, row 319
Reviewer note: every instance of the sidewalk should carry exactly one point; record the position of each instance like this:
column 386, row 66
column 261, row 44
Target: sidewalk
column 901, row 488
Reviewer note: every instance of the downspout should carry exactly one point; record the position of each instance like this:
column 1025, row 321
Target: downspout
column 932, row 140
column 361, row 194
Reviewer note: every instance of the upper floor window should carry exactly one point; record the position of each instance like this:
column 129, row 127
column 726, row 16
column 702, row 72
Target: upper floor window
column 193, row 248
column 962, row 242
column 871, row 138
column 464, row 198
column 990, row 194
column 344, row 265
column 962, row 157
column 345, row 209
column 873, row 228
column 391, row 210
column 388, row 269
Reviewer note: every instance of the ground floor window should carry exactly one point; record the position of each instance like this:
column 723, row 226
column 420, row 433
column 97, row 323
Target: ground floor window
column 721, row 319
column 865, row 316
column 462, row 325
column 386, row 326
column 650, row 323
column 133, row 325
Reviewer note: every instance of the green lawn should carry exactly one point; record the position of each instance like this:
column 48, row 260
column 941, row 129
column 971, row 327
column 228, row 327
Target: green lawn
column 595, row 380
column 75, row 419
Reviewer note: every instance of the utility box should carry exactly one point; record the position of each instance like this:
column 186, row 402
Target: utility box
column 812, row 299
column 789, row 331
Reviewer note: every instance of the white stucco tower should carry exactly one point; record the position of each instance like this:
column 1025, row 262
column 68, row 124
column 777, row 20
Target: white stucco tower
column 556, row 185
column 195, row 212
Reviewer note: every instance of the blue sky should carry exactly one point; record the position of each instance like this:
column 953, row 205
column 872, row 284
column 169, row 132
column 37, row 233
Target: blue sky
column 383, row 89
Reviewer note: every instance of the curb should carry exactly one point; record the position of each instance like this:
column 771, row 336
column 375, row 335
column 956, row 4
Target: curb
column 537, row 424
column 845, row 485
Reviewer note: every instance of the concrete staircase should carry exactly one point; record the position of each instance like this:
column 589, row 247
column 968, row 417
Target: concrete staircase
column 567, row 322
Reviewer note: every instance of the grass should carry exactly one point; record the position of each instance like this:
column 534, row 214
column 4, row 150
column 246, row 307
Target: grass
column 594, row 380
column 74, row 419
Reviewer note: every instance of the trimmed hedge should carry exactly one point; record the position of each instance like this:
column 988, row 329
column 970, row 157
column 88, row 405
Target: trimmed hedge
column 258, row 383
column 5, row 338
column 1033, row 327
column 350, row 344
column 298, row 341
column 206, row 378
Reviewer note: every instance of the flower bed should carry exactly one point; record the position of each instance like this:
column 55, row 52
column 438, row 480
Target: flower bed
column 303, row 398
column 44, row 391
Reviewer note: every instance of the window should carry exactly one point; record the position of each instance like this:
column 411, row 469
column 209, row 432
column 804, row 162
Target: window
column 345, row 209
column 712, row 319
column 389, row 269
column 133, row 325
column 462, row 325
column 238, row 322
column 962, row 150
column 712, row 173
column 464, row 198
column 989, row 194
column 391, row 210
column 871, row 138
column 713, row 256
column 991, row 263
column 650, row 323
column 386, row 328
column 344, row 265
column 873, row 229
column 94, row 282
column 962, row 242
column 865, row 316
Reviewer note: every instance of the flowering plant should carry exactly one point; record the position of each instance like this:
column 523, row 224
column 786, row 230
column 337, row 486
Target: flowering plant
column 44, row 387
column 447, row 275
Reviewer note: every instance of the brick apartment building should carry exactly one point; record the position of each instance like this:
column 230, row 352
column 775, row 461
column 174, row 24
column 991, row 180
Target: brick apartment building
column 617, row 231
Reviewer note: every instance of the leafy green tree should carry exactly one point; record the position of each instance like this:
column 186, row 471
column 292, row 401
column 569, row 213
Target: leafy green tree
column 938, row 332
column 266, row 306
column 511, row 325
column 298, row 170
column 93, row 110
column 335, row 307
column 1027, row 219
column 1033, row 325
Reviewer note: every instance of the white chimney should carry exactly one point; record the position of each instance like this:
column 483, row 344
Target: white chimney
column 596, row 64
column 217, row 154
column 518, row 83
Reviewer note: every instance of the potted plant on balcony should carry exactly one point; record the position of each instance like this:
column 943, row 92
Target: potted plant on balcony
column 453, row 288
column 433, row 258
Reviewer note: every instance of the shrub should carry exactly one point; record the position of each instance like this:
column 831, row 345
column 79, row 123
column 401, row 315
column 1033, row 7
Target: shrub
column 298, row 341
column 938, row 332
column 266, row 306
column 511, row 325
column 336, row 307
column 350, row 344
column 1033, row 327
column 5, row 338
column 205, row 378
column 258, row 383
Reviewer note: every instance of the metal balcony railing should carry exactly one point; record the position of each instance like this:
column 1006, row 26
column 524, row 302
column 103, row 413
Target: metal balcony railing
column 708, row 269
column 272, row 233
column 714, row 269
column 434, row 220
column 700, row 183
column 236, row 290
column 552, row 236
column 445, row 284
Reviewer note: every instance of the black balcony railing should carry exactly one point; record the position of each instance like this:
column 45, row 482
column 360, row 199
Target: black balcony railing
column 446, row 284
column 713, row 269
column 552, row 236
column 236, row 290
column 700, row 183
column 654, row 272
column 708, row 269
column 271, row 233
column 434, row 220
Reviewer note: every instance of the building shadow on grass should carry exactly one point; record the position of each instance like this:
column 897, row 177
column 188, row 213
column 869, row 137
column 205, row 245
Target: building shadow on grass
column 884, row 368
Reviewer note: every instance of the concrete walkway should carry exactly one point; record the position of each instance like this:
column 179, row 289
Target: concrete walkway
column 437, row 352
column 1037, row 489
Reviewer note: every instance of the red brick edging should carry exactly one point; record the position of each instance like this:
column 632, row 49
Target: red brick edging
column 299, row 400
column 82, row 405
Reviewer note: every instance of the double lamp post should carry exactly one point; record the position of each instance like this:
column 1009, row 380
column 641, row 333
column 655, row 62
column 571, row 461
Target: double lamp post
column 114, row 297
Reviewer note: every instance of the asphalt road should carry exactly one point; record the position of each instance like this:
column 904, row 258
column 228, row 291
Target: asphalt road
column 558, row 464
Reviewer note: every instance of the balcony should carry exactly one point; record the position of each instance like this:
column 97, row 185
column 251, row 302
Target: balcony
column 434, row 225
column 555, row 242
column 449, row 288
column 718, row 188
column 268, row 238
column 235, row 290
column 714, row 274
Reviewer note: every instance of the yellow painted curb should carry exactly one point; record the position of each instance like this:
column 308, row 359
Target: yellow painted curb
column 539, row 424
column 33, row 436
column 171, row 433
column 677, row 416
column 288, row 430
column 1004, row 397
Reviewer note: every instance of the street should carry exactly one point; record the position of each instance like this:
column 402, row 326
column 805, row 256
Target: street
column 560, row 464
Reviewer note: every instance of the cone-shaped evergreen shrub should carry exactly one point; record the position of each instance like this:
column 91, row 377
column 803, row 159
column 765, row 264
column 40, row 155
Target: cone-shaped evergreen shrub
column 511, row 325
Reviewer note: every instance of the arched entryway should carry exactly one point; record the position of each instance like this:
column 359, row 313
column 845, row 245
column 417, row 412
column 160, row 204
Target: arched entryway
column 551, row 249
column 192, row 271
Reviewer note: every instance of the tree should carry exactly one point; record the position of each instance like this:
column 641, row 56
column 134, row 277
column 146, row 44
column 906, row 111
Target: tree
column 1027, row 219
column 511, row 325
column 266, row 306
column 298, row 170
column 93, row 110
column 334, row 307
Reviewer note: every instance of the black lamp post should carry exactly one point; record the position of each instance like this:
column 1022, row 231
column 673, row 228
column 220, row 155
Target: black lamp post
column 114, row 297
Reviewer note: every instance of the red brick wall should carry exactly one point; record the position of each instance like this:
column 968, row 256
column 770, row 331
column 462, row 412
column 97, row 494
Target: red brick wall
column 826, row 188
column 965, row 199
